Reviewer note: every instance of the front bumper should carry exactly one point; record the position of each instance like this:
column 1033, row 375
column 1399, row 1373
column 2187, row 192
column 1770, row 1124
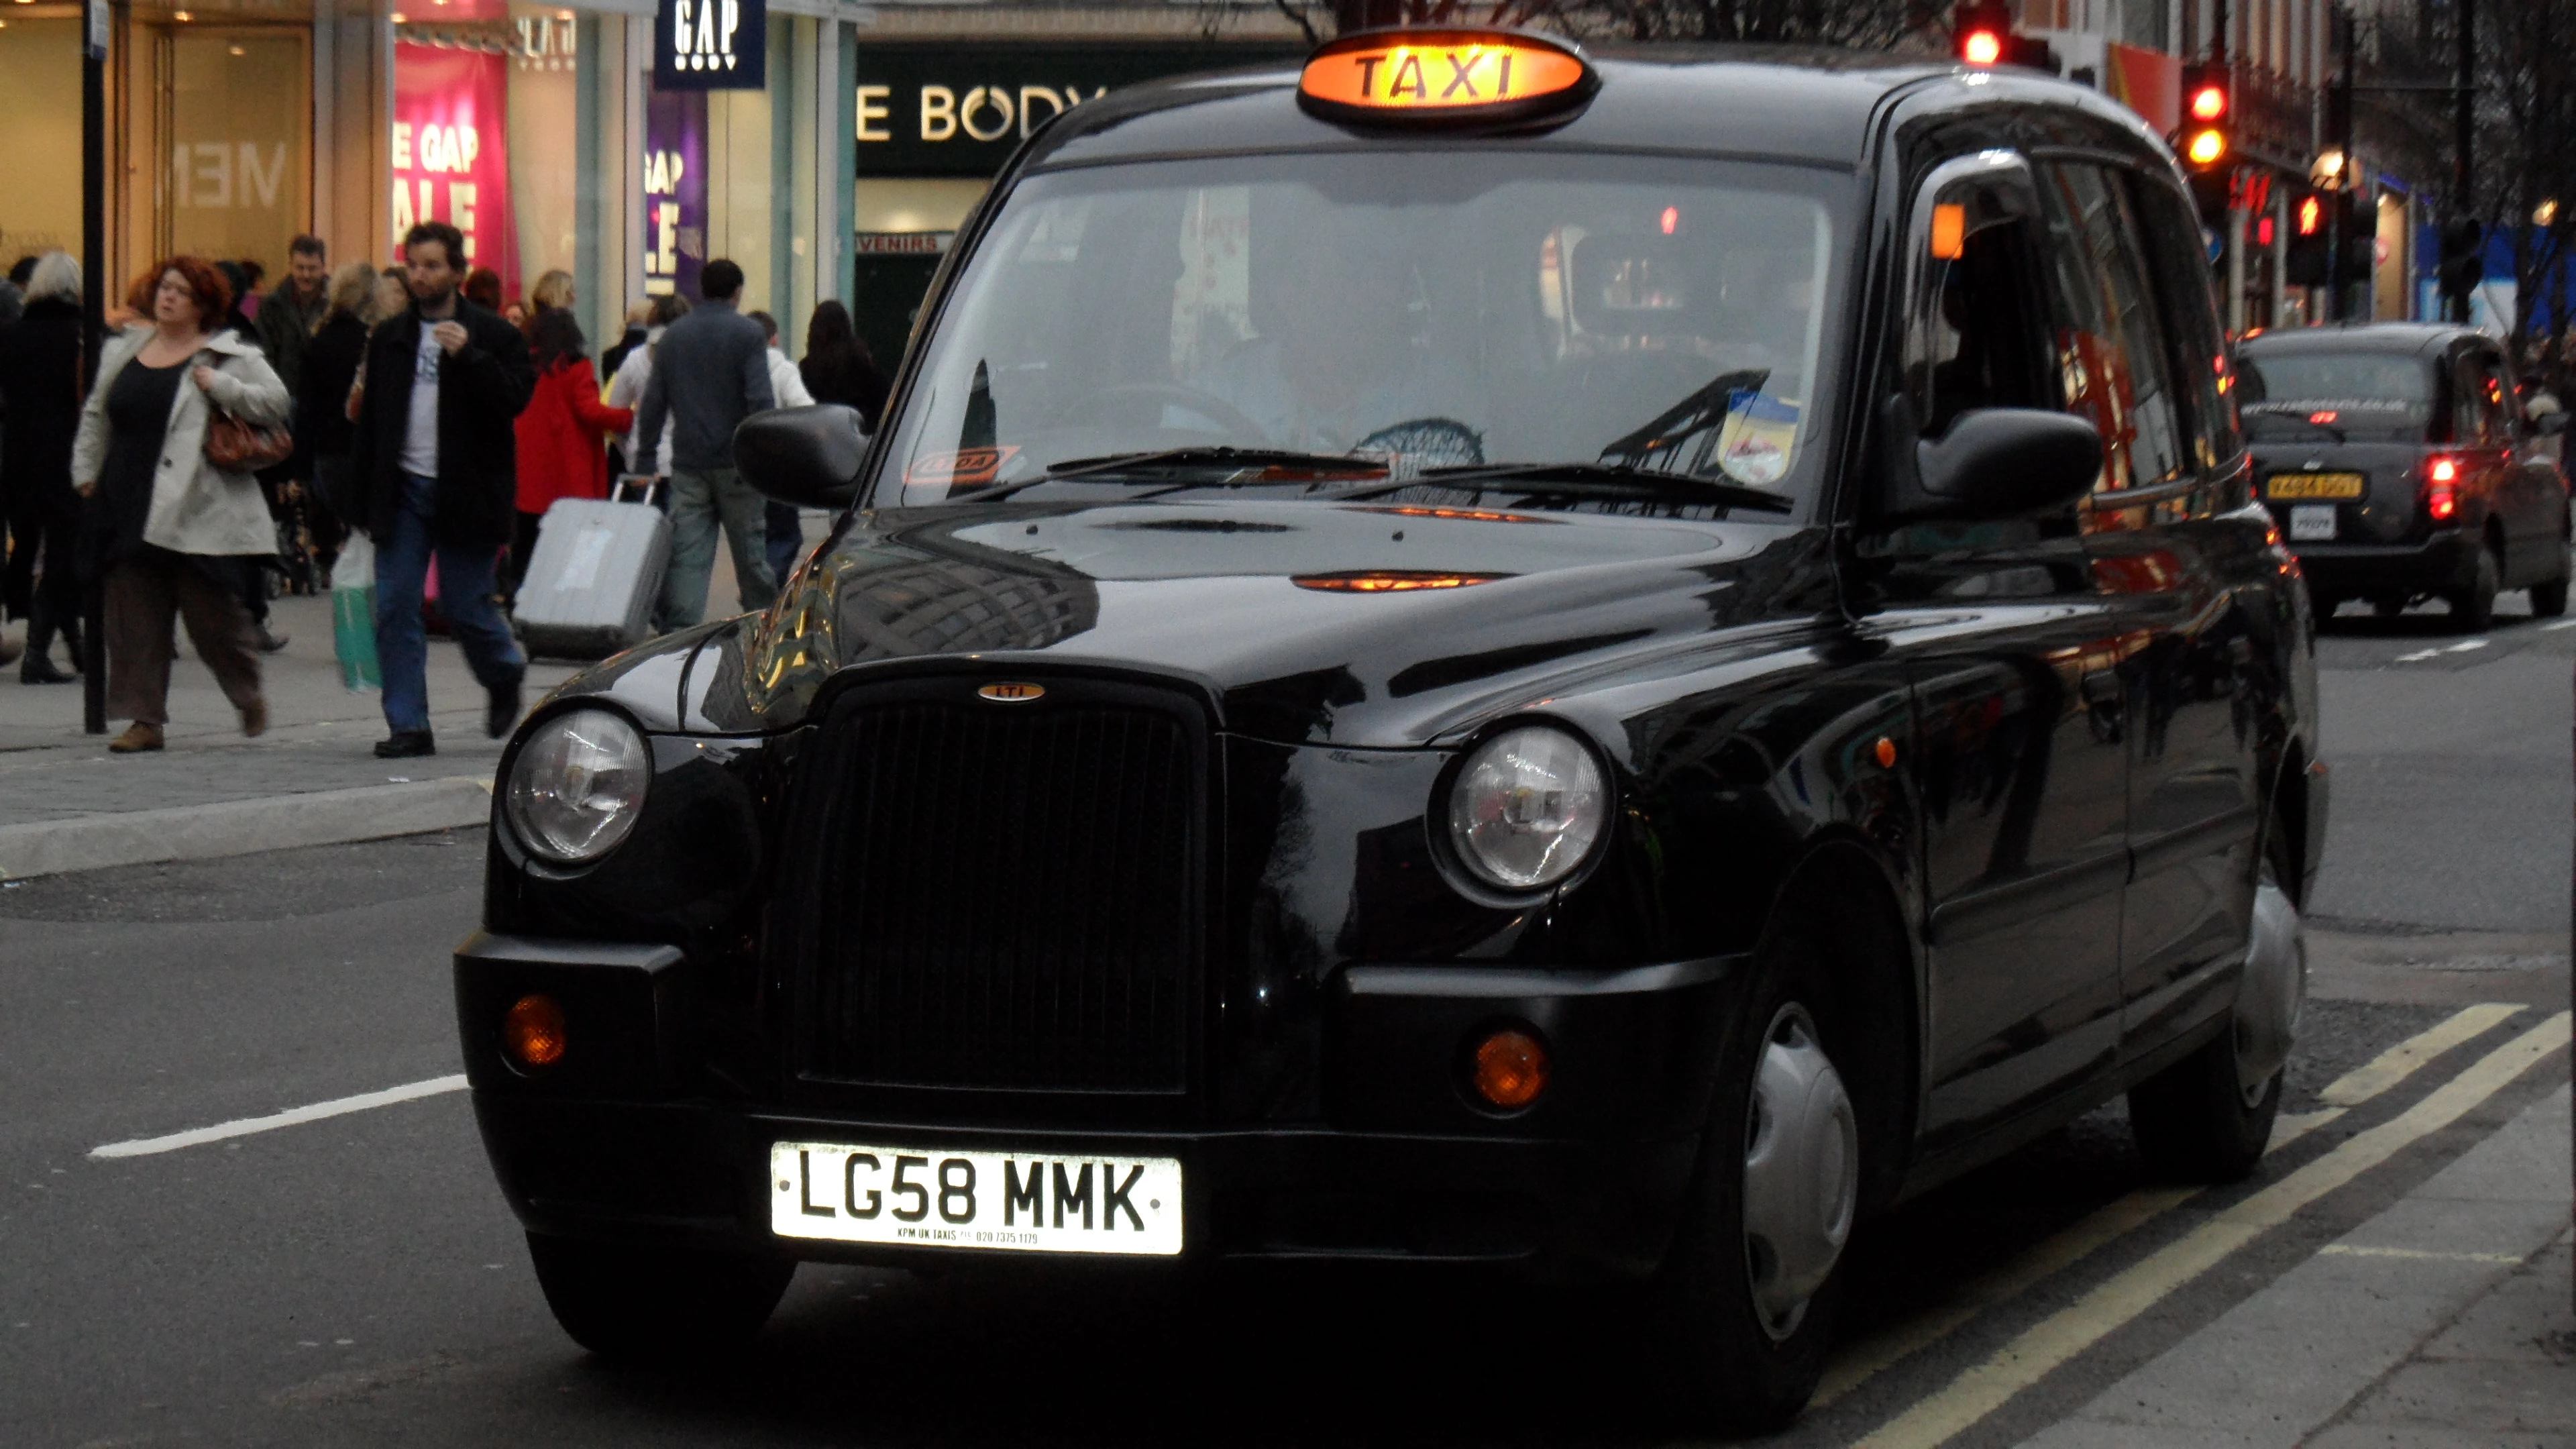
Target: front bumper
column 2448, row 560
column 629, row 1142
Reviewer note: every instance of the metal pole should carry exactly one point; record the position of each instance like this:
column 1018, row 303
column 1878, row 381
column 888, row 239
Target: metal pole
column 94, row 329
column 2464, row 128
column 2337, row 305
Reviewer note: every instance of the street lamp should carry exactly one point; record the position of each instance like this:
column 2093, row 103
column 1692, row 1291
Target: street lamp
column 2326, row 172
column 2546, row 212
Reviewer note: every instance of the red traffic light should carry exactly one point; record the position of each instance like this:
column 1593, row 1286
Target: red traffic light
column 2209, row 102
column 1983, row 33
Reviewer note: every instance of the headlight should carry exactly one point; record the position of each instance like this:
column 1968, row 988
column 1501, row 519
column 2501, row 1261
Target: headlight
column 1527, row 807
column 578, row 785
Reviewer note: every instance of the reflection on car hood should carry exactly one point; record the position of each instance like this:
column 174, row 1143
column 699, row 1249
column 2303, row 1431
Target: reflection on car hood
column 1372, row 624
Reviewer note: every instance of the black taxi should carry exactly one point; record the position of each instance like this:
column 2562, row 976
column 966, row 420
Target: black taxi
column 1473, row 654
column 2399, row 460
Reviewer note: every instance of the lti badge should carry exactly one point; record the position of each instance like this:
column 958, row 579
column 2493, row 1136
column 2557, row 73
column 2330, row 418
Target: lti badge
column 711, row 45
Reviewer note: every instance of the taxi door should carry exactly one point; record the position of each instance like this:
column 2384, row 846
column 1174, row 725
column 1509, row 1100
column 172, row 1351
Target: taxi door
column 2022, row 762
column 2179, row 558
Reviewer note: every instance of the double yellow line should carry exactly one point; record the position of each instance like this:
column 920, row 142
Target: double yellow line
column 2056, row 1340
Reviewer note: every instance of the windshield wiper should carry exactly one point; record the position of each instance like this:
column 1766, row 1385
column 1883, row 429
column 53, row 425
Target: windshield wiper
column 1572, row 478
column 1218, row 457
column 1168, row 460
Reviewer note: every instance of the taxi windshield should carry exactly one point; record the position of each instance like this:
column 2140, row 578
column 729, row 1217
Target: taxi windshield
column 1311, row 321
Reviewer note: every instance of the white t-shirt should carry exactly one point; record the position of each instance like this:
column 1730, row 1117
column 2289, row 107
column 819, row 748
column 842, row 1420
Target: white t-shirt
column 626, row 390
column 420, row 433
column 786, row 384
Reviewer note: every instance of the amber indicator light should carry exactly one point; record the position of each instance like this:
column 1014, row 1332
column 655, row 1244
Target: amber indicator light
column 1509, row 1069
column 532, row 1031
column 1428, row 74
column 1949, row 231
column 1390, row 581
column 1886, row 753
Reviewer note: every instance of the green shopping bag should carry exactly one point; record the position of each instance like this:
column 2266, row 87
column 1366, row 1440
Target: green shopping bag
column 353, row 614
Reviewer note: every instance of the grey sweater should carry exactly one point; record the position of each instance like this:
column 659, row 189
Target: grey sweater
column 710, row 371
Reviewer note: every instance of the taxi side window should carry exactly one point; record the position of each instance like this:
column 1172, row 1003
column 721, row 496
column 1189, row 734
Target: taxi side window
column 1988, row 346
column 2110, row 339
column 2477, row 411
column 2171, row 229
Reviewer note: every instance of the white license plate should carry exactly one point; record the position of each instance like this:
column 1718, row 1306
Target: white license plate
column 933, row 1198
column 2312, row 522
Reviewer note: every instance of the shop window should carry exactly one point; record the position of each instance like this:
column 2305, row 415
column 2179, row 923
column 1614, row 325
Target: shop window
column 237, row 182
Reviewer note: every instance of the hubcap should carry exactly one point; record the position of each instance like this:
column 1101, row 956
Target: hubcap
column 2274, row 989
column 1801, row 1172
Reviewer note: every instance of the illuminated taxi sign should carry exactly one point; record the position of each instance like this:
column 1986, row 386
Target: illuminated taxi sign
column 1432, row 75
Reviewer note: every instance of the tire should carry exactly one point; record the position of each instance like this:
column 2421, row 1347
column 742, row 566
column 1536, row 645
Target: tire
column 2473, row 608
column 2196, row 1121
column 1742, row 1346
column 2549, row 596
column 656, row 1305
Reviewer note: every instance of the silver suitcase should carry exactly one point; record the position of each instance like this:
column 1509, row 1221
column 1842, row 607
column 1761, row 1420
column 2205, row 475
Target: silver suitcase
column 595, row 577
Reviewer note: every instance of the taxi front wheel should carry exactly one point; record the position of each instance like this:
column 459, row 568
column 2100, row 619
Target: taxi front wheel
column 1745, row 1304
column 656, row 1305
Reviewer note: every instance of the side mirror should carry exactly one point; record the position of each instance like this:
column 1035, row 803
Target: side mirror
column 807, row 456
column 1999, row 463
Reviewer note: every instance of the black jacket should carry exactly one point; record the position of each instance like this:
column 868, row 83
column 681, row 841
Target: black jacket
column 40, row 383
column 481, row 389
column 331, row 359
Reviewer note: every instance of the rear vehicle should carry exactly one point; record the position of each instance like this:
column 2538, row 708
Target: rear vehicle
column 1595, row 668
column 2401, row 466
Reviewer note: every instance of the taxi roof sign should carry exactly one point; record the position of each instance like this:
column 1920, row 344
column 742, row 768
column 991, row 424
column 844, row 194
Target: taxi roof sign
column 1407, row 75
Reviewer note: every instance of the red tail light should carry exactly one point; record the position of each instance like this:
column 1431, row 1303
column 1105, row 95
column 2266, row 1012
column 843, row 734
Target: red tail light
column 2441, row 501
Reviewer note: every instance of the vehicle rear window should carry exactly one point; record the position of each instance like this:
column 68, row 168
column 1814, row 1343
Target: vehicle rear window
column 2380, row 395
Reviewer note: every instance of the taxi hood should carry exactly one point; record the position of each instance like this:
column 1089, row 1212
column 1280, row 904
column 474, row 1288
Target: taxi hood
column 1363, row 624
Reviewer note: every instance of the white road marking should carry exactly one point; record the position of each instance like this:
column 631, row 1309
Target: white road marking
column 148, row 1146
column 2465, row 645
column 2402, row 1060
column 1988, row 1386
column 2418, row 657
column 2561, row 624
column 2355, row 1250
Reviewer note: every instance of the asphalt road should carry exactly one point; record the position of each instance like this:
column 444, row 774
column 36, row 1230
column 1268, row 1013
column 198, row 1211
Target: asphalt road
column 356, row 1280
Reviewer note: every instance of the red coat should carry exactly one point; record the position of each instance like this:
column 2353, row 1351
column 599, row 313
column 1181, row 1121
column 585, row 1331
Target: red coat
column 563, row 438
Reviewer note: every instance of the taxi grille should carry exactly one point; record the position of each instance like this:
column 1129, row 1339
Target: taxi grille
column 1009, row 899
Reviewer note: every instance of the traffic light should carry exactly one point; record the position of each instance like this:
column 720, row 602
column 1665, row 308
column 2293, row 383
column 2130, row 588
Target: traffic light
column 2303, row 261
column 2208, row 116
column 2462, row 266
column 1981, row 31
column 1984, row 33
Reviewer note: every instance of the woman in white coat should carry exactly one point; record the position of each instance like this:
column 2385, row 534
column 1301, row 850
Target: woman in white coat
column 168, row 529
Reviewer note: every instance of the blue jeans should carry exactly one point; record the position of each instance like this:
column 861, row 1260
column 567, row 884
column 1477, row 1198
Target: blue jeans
column 786, row 539
column 464, row 594
column 700, row 501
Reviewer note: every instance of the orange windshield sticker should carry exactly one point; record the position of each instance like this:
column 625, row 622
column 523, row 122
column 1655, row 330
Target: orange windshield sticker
column 1434, row 73
column 964, row 468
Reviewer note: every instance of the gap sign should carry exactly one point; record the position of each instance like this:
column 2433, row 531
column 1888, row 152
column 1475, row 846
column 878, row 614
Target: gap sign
column 711, row 45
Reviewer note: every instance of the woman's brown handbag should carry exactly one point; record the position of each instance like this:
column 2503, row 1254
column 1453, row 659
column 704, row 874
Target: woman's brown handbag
column 234, row 446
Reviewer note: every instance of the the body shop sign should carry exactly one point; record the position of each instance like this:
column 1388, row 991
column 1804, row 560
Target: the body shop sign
column 711, row 45
column 959, row 110
column 450, row 154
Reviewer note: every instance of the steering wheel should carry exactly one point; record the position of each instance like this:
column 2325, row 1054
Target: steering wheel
column 1206, row 404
